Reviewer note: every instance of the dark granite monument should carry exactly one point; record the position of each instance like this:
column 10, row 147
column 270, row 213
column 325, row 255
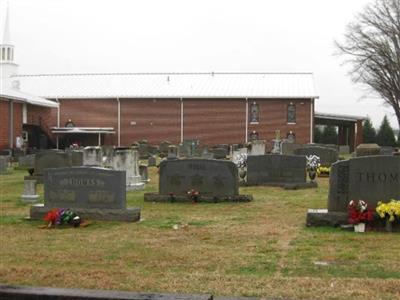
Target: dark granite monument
column 51, row 159
column 288, row 171
column 372, row 178
column 327, row 155
column 369, row 178
column 207, row 180
column 289, row 148
column 93, row 193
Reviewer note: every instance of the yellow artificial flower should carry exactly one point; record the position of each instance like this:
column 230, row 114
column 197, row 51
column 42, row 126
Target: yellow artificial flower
column 391, row 209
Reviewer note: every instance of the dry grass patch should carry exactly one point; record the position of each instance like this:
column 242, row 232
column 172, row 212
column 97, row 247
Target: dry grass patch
column 261, row 248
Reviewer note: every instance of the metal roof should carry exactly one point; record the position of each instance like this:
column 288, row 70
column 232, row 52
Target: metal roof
column 83, row 130
column 171, row 85
column 349, row 118
column 17, row 95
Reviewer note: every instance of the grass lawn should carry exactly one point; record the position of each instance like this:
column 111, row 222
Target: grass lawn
column 261, row 248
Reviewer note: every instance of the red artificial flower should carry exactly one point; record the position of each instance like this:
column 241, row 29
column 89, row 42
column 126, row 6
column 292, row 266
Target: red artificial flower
column 51, row 216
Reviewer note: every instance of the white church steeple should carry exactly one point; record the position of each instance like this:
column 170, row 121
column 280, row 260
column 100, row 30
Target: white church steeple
column 7, row 65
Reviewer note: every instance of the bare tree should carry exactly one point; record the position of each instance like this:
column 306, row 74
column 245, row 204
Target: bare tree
column 371, row 47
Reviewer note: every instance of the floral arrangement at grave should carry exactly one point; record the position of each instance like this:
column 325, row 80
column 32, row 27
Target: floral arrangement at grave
column 241, row 162
column 61, row 216
column 194, row 195
column 323, row 171
column 359, row 212
column 389, row 211
column 313, row 163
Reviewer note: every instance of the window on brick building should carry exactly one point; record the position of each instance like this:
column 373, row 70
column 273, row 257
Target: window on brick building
column 291, row 113
column 254, row 113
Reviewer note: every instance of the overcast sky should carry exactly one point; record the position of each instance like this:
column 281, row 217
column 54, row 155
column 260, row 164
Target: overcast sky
column 81, row 36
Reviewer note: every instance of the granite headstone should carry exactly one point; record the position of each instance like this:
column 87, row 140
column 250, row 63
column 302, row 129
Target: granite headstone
column 276, row 169
column 327, row 155
column 208, row 177
column 93, row 193
column 26, row 161
column 92, row 156
column 370, row 178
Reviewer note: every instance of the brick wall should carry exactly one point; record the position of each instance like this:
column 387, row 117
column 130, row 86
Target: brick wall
column 91, row 113
column 273, row 116
column 210, row 120
column 215, row 121
column 4, row 122
column 156, row 120
column 44, row 117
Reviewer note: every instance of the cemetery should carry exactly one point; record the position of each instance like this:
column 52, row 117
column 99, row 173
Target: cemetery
column 119, row 180
column 233, row 238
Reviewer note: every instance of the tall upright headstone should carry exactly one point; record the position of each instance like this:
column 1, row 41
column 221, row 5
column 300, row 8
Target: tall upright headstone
column 92, row 156
column 30, row 193
column 257, row 147
column 128, row 160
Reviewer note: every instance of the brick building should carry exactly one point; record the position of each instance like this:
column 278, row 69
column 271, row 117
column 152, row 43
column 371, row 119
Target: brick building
column 118, row 109
column 20, row 113
column 212, row 107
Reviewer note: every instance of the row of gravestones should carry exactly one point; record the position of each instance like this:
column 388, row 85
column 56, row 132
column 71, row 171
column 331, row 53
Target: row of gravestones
column 93, row 192
column 118, row 159
column 371, row 178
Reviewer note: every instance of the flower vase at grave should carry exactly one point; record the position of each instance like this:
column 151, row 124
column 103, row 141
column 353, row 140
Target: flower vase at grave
column 360, row 227
column 312, row 174
column 388, row 225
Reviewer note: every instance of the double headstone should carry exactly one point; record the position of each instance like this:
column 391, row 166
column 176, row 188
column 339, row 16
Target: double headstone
column 276, row 169
column 290, row 148
column 51, row 159
column 93, row 193
column 210, row 180
column 327, row 155
column 369, row 178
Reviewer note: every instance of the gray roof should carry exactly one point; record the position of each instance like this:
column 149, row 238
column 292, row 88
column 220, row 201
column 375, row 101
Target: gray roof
column 338, row 117
column 171, row 85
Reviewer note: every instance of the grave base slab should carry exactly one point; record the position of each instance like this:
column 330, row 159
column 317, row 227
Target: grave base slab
column 154, row 197
column 300, row 186
column 131, row 214
column 323, row 217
